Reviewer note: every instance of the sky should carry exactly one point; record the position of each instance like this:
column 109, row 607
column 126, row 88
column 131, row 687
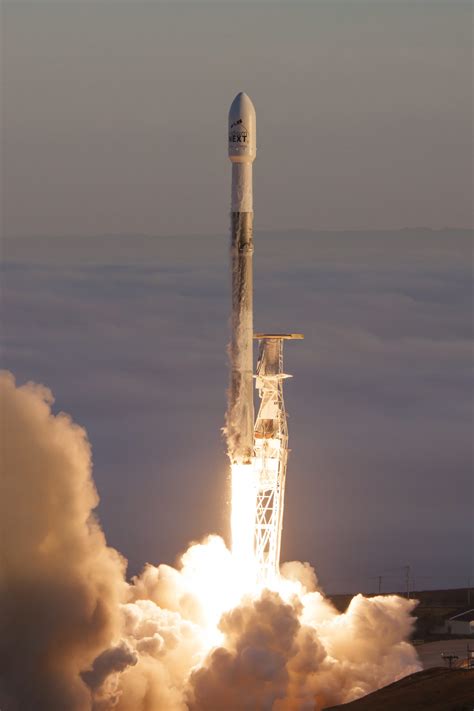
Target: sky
column 115, row 185
column 114, row 118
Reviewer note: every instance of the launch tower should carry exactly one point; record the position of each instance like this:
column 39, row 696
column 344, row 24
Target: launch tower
column 271, row 453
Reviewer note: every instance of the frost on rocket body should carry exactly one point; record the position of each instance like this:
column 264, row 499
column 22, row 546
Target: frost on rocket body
column 75, row 636
column 240, row 415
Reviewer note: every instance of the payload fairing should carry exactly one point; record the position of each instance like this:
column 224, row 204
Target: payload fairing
column 258, row 452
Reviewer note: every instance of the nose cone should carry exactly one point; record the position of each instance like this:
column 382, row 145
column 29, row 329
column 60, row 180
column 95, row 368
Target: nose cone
column 242, row 130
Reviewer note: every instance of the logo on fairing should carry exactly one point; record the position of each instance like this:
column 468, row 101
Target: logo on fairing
column 238, row 133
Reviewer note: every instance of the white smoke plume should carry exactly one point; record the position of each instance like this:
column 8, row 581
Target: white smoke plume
column 60, row 585
column 74, row 636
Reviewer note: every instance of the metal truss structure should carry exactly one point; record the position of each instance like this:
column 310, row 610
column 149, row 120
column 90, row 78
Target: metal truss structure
column 271, row 453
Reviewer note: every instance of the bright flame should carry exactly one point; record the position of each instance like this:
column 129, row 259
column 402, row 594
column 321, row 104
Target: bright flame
column 310, row 654
column 244, row 501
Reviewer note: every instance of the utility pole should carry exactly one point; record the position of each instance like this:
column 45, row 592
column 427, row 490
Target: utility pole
column 407, row 578
column 379, row 578
column 450, row 658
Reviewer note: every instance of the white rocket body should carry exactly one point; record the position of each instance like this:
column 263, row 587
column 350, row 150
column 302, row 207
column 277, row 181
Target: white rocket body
column 242, row 152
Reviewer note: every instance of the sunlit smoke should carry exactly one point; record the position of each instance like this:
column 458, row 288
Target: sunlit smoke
column 195, row 637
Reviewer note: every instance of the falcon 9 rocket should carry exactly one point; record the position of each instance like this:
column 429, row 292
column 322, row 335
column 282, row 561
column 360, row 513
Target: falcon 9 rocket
column 242, row 151
column 258, row 452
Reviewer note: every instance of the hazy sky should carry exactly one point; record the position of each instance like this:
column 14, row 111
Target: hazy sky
column 114, row 113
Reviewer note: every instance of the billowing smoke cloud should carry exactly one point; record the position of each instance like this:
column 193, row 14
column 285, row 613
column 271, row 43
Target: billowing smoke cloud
column 103, row 679
column 60, row 585
column 74, row 636
column 303, row 654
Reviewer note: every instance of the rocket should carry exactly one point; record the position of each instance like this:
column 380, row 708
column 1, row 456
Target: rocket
column 258, row 451
column 242, row 152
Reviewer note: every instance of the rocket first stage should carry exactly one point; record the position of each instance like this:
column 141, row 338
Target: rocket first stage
column 242, row 152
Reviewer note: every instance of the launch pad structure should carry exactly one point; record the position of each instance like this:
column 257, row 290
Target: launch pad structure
column 270, row 453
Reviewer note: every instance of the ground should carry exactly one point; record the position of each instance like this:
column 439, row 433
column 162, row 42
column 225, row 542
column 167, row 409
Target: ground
column 436, row 689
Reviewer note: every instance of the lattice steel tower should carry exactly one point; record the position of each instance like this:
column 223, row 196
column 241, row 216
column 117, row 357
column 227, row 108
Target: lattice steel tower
column 271, row 453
